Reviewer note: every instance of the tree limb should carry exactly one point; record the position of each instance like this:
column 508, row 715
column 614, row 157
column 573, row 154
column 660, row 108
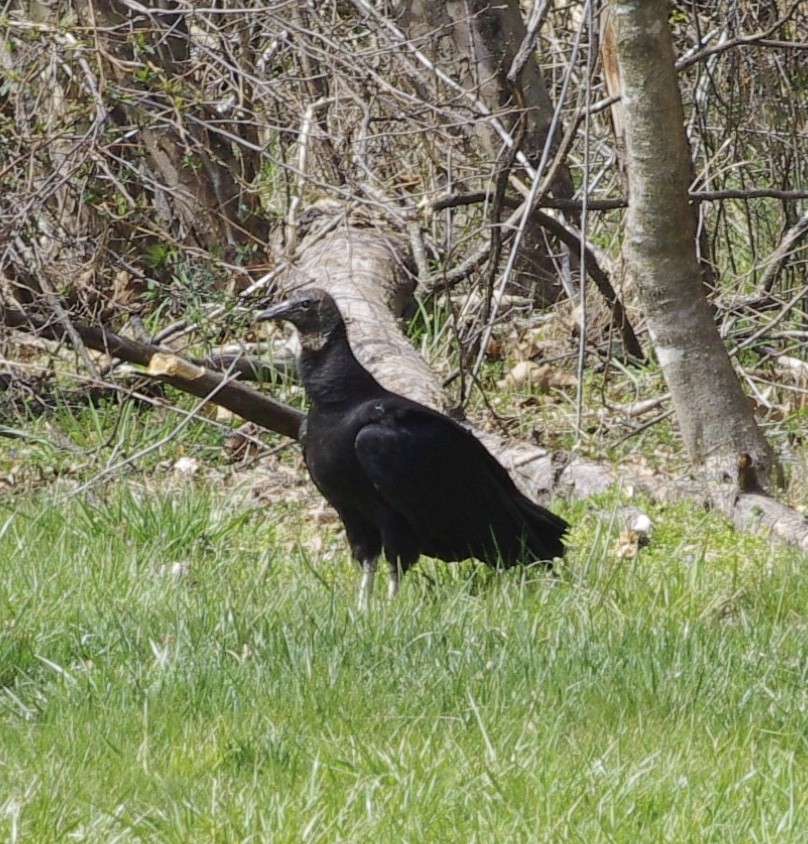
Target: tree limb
column 200, row 382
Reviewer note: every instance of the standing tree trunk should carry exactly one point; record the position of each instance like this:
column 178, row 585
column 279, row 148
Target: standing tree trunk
column 477, row 41
column 199, row 183
column 134, row 164
column 714, row 417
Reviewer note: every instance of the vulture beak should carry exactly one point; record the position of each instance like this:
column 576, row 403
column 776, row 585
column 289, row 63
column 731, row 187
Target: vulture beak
column 276, row 312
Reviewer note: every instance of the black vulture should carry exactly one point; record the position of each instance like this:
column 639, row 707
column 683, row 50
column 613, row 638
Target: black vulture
column 404, row 479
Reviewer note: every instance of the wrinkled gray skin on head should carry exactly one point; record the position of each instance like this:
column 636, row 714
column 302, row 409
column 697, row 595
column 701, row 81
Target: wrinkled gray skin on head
column 313, row 313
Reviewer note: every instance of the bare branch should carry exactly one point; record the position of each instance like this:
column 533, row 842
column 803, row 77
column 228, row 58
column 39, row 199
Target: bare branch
column 761, row 39
column 240, row 399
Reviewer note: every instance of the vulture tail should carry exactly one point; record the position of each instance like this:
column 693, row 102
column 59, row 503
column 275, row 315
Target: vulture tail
column 546, row 530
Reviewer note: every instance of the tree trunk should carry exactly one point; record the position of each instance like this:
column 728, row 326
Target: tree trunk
column 199, row 183
column 716, row 422
column 478, row 40
column 128, row 166
column 614, row 87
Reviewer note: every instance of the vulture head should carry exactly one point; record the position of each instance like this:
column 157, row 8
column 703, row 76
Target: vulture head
column 312, row 312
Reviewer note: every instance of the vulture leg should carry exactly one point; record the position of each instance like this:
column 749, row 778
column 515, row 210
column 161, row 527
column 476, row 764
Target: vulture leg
column 366, row 585
column 393, row 582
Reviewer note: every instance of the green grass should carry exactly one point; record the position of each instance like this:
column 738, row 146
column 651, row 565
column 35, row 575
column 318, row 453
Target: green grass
column 176, row 667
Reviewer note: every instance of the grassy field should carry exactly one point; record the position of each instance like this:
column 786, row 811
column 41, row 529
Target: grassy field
column 179, row 663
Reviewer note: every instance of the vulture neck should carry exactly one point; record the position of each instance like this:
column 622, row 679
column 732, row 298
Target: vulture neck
column 332, row 375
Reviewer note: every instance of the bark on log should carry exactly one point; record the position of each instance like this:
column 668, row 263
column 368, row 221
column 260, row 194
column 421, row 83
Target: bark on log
column 366, row 270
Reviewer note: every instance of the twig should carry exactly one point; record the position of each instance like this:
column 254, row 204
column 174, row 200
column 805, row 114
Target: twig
column 303, row 146
column 593, row 269
column 538, row 13
column 774, row 263
column 584, row 251
column 456, row 200
column 189, row 417
column 644, row 427
column 765, row 329
column 745, row 41
column 751, row 193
